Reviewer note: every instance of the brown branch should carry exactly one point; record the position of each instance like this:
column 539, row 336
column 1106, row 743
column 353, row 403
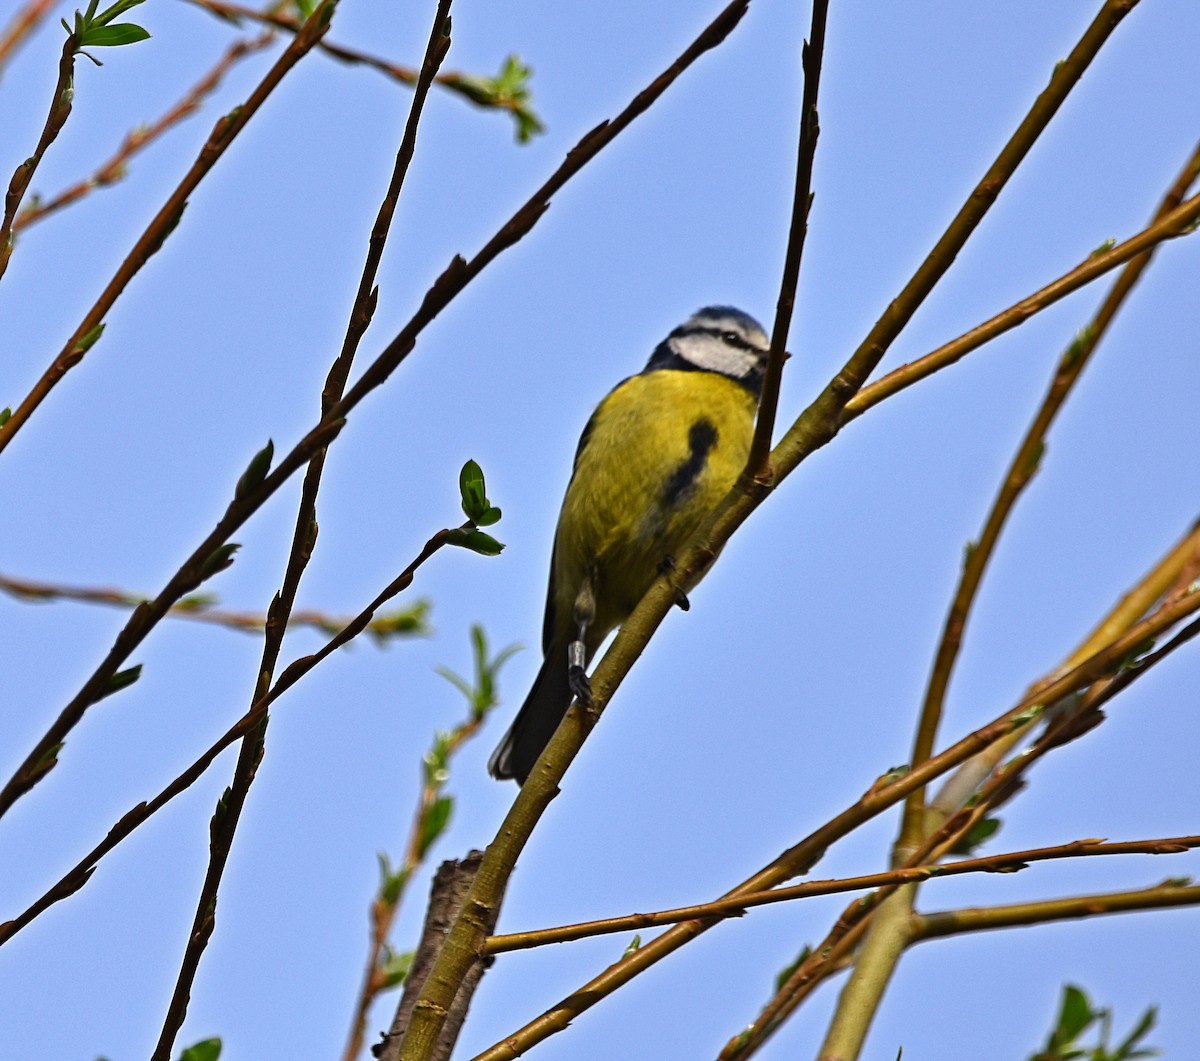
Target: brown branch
column 456, row 82
column 944, row 923
column 1131, row 608
column 445, row 289
column 138, row 139
column 810, row 130
column 21, row 25
column 201, row 609
column 879, row 798
column 385, row 907
column 735, row 906
column 812, row 430
column 1021, row 470
column 304, row 540
column 79, row 874
column 60, row 110
column 1178, row 222
column 165, row 221
column 451, row 887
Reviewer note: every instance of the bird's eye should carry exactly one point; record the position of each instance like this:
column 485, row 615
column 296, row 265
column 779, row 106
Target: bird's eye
column 732, row 337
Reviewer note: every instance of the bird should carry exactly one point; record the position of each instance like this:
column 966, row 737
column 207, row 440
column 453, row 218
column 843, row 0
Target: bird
column 656, row 457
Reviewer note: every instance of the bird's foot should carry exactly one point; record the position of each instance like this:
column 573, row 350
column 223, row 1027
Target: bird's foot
column 581, row 688
column 577, row 678
column 666, row 566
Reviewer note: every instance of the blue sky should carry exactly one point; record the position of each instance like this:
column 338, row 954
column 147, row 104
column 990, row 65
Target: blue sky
column 792, row 683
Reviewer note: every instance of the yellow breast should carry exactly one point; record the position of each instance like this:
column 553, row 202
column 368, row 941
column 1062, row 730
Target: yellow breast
column 663, row 449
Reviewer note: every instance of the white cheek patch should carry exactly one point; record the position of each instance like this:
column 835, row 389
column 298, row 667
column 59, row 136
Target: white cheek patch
column 713, row 354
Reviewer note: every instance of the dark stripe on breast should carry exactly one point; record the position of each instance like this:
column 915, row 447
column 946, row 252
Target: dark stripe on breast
column 701, row 439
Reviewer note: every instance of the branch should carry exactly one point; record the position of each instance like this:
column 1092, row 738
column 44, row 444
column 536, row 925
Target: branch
column 165, row 221
column 798, row 858
column 1178, row 222
column 432, row 816
column 20, row 26
column 76, row 877
column 201, row 608
column 1022, row 468
column 810, row 130
column 955, row 922
column 137, row 140
column 736, row 906
column 449, row 894
column 455, row 278
column 304, row 539
column 488, row 93
column 60, row 110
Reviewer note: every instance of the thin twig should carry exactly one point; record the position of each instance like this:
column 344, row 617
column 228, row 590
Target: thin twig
column 444, row 290
column 1175, row 223
column 304, row 539
column 60, row 110
column 735, row 906
column 138, row 139
column 453, row 81
column 79, row 874
column 810, row 129
column 20, row 26
column 461, row 950
column 1131, row 608
column 945, row 923
column 202, row 609
column 816, row 426
column 165, row 221
column 387, row 904
column 879, row 798
column 1021, row 470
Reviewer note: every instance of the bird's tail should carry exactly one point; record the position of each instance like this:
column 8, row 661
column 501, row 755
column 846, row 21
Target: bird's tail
column 536, row 722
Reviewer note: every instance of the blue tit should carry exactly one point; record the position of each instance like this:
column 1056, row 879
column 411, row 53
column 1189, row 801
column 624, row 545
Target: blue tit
column 656, row 457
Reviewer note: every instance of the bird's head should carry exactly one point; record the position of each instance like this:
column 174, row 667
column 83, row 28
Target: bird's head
column 717, row 339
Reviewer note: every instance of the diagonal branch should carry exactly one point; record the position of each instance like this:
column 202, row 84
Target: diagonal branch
column 945, row 923
column 79, row 874
column 810, row 129
column 304, row 538
column 736, row 906
column 115, row 168
column 1021, row 470
column 445, row 289
column 56, row 118
column 471, row 88
column 165, row 221
column 20, row 26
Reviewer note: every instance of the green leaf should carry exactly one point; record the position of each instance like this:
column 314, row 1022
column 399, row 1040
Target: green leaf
column 395, row 967
column 785, row 974
column 635, row 945
column 117, row 9
column 488, row 516
column 434, row 823
column 119, row 681
column 256, row 471
column 472, row 488
column 88, row 340
column 5, row 413
column 197, row 602
column 113, row 36
column 207, row 1050
column 975, row 837
column 219, row 559
column 217, row 820
column 391, row 882
column 476, row 541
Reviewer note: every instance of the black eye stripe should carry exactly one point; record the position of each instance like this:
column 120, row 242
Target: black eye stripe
column 725, row 335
